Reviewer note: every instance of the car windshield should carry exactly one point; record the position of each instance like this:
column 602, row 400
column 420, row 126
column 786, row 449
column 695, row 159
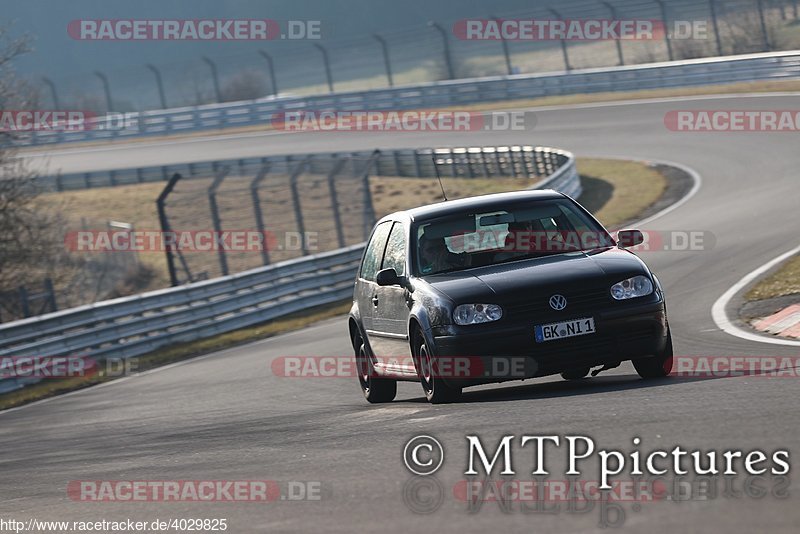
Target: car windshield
column 537, row 228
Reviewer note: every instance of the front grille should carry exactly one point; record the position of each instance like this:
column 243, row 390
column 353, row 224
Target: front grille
column 577, row 303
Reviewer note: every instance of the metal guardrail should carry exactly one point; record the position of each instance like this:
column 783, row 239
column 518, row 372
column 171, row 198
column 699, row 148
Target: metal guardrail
column 136, row 325
column 707, row 71
column 457, row 162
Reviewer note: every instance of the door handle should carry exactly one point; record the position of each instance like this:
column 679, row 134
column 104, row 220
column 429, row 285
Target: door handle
column 375, row 300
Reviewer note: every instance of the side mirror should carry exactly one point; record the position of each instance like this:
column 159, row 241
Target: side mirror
column 387, row 277
column 629, row 238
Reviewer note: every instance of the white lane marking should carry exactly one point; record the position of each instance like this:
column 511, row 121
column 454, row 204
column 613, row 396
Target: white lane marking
column 247, row 135
column 721, row 317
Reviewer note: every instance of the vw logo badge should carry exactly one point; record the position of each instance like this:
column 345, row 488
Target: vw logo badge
column 558, row 302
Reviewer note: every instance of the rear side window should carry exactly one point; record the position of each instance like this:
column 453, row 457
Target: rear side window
column 395, row 257
column 374, row 254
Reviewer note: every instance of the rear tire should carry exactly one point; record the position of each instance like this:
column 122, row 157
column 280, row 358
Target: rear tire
column 659, row 366
column 376, row 390
column 437, row 391
column 575, row 374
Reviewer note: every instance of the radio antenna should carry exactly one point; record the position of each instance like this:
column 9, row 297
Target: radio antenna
column 436, row 168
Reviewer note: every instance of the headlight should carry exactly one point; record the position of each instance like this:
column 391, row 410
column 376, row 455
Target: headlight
column 477, row 313
column 638, row 286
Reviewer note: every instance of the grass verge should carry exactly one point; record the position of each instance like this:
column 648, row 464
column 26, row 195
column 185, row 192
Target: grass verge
column 785, row 281
column 614, row 190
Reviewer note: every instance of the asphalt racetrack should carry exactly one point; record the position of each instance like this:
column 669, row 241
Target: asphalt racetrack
column 227, row 416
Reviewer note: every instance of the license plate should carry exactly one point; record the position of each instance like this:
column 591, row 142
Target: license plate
column 564, row 329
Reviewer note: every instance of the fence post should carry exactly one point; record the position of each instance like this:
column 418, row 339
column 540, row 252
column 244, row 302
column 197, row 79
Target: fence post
column 763, row 21
column 271, row 67
column 667, row 39
column 337, row 220
column 618, row 42
column 447, row 59
column 212, row 204
column 298, row 209
column 162, row 217
column 563, row 41
column 326, row 61
column 386, row 62
column 51, row 294
column 257, row 209
column 23, row 301
column 369, row 210
column 506, row 53
column 712, row 5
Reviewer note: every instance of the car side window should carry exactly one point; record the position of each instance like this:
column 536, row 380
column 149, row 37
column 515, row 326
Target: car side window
column 374, row 254
column 395, row 257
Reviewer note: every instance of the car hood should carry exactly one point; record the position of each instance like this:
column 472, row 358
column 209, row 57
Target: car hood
column 568, row 273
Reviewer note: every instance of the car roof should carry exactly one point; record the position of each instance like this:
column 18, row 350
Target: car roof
column 477, row 203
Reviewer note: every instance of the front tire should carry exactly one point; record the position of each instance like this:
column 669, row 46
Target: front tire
column 659, row 366
column 437, row 391
column 376, row 390
column 575, row 374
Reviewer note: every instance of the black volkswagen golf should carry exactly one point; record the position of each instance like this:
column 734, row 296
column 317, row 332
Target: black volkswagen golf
column 502, row 287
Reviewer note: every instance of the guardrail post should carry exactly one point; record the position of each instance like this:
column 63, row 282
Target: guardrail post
column 453, row 168
column 512, row 161
column 262, row 173
column 337, row 220
column 386, row 62
column 446, row 42
column 162, row 217
column 663, row 7
column 298, row 209
column 215, row 220
column 486, row 172
column 397, row 170
column 562, row 40
column 417, row 168
column 618, row 42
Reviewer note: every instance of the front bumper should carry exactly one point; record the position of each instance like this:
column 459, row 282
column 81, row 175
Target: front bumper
column 507, row 350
